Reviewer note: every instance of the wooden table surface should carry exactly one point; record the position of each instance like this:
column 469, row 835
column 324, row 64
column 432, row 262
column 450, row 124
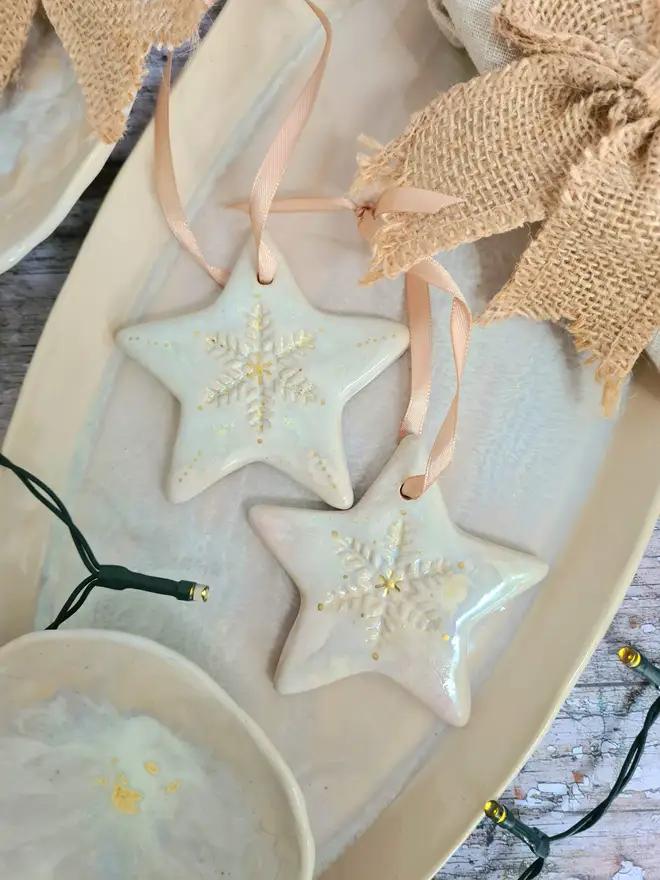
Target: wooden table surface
column 574, row 766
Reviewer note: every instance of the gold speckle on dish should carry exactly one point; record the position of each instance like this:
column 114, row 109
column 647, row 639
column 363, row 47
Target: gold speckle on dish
column 125, row 800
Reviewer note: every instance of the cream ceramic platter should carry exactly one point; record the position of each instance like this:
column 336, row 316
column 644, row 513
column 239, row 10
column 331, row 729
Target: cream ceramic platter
column 390, row 793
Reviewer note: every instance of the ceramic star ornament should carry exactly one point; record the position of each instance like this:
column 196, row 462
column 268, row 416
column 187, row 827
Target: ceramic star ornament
column 261, row 375
column 391, row 586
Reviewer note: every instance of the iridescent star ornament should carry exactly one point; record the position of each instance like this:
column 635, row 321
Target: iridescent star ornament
column 261, row 375
column 391, row 586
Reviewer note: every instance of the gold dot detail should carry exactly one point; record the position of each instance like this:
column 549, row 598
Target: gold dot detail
column 323, row 402
column 319, row 607
column 173, row 786
column 403, row 512
column 197, row 332
column 461, row 565
column 260, row 440
column 101, row 781
column 345, row 577
column 375, row 656
column 126, row 800
column 151, row 768
column 335, row 534
column 200, row 407
column 446, row 637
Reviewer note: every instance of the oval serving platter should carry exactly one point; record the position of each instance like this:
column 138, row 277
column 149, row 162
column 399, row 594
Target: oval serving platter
column 535, row 467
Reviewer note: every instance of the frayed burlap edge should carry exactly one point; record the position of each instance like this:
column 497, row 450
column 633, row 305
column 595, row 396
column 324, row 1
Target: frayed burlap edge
column 108, row 45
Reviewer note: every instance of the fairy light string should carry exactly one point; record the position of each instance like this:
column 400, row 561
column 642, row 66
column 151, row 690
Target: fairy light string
column 540, row 843
column 113, row 577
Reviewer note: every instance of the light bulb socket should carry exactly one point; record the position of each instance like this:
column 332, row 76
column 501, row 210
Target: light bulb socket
column 199, row 592
column 536, row 840
column 116, row 577
column 634, row 659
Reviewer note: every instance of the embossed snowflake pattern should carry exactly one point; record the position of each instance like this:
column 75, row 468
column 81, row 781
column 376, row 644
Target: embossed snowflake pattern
column 391, row 588
column 257, row 370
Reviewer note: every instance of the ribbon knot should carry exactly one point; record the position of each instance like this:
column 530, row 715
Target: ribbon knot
column 568, row 135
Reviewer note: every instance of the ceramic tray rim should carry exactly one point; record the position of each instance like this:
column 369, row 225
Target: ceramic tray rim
column 414, row 835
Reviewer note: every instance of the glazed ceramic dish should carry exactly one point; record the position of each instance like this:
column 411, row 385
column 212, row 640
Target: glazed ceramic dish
column 390, row 791
column 82, row 676
column 48, row 151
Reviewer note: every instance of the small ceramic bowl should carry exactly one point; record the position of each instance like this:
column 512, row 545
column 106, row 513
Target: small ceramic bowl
column 141, row 683
column 48, row 151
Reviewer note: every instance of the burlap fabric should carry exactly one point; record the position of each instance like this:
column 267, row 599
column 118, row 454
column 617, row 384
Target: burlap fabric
column 15, row 20
column 569, row 135
column 107, row 41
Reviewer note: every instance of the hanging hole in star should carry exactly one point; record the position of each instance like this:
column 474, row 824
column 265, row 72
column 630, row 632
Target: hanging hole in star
column 265, row 283
column 404, row 497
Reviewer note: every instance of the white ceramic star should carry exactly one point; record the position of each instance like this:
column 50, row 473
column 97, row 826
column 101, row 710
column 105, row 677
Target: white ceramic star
column 391, row 586
column 263, row 376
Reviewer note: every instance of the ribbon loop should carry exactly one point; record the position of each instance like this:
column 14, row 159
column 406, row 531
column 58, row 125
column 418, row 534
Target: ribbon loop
column 392, row 200
column 276, row 160
column 165, row 179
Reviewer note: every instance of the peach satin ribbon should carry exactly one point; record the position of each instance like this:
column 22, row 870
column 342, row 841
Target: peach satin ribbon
column 393, row 200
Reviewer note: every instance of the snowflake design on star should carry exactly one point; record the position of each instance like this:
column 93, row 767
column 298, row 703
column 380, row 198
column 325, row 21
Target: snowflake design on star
column 392, row 588
column 257, row 370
